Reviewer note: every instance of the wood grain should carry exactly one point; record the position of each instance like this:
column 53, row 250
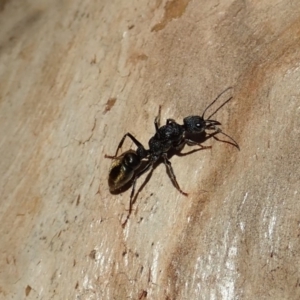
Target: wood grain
column 75, row 76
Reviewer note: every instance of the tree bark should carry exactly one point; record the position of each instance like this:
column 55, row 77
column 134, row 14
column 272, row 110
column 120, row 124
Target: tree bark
column 75, row 76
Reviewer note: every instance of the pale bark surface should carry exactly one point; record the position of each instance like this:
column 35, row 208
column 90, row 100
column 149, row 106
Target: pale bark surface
column 77, row 75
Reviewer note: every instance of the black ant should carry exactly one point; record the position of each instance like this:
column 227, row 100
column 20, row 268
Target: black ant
column 128, row 167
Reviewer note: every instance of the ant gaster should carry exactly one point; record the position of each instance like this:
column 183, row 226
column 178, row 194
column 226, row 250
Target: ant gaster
column 128, row 166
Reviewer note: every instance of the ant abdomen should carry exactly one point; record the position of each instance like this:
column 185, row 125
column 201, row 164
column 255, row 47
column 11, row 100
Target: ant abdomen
column 122, row 169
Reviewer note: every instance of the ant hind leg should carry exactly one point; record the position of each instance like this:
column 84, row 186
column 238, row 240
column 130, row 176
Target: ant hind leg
column 135, row 141
column 132, row 194
column 172, row 174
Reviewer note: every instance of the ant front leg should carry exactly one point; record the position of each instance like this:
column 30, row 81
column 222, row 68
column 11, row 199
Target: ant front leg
column 192, row 143
column 219, row 130
column 172, row 175
column 137, row 143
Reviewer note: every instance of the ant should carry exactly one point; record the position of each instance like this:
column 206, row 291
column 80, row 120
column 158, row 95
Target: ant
column 130, row 165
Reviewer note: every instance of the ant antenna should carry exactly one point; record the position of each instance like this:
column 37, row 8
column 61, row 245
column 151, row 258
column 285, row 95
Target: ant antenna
column 211, row 124
column 215, row 101
column 219, row 108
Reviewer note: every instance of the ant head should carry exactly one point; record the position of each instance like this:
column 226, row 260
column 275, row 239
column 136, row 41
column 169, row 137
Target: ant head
column 194, row 124
column 197, row 124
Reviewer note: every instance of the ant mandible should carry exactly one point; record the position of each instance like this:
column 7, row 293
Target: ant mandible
column 172, row 136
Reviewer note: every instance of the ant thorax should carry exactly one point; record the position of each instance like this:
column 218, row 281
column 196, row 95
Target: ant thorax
column 167, row 137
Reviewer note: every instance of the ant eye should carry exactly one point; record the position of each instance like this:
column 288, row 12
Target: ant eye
column 199, row 127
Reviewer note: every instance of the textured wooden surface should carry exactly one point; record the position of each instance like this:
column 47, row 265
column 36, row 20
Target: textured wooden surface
column 75, row 76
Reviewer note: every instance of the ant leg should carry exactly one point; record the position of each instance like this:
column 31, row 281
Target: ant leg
column 137, row 143
column 172, row 175
column 132, row 201
column 157, row 119
column 219, row 130
column 234, row 143
column 192, row 143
